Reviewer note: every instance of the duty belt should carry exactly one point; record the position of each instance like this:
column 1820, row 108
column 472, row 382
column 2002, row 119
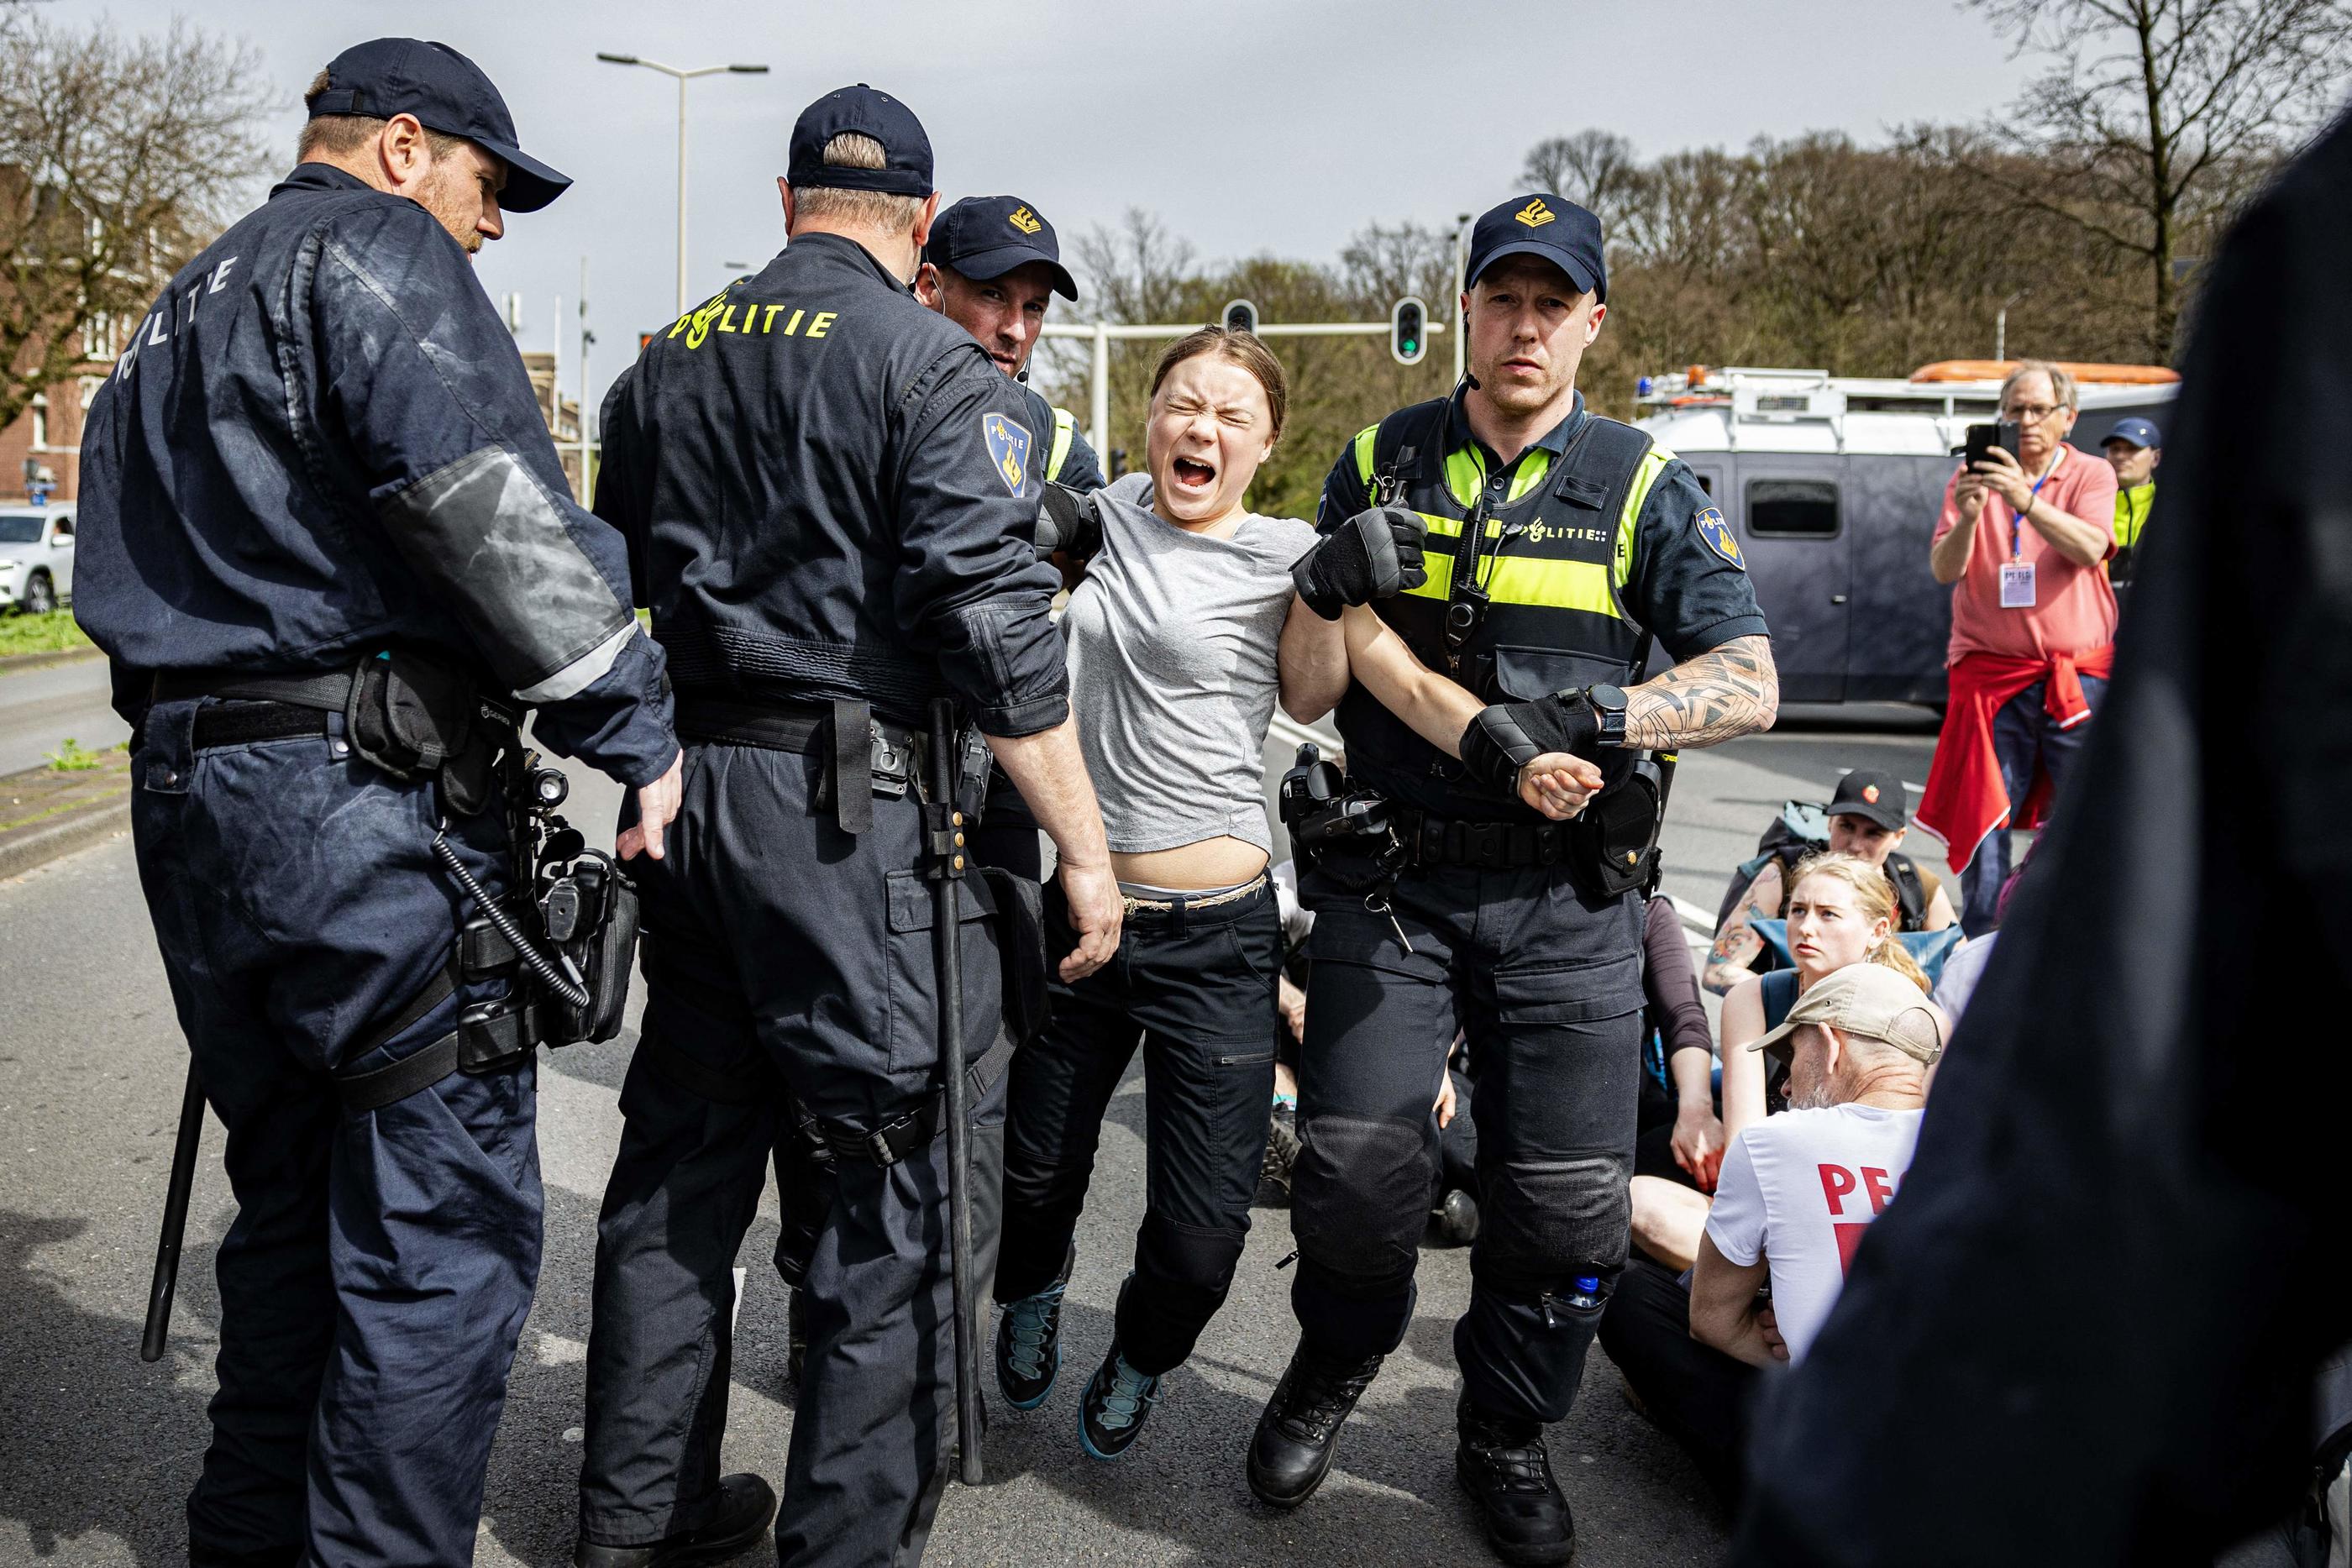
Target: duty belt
column 1495, row 846
column 869, row 756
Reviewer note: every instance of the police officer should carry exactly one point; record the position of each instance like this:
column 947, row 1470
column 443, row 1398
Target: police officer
column 1559, row 543
column 993, row 268
column 829, row 491
column 325, row 537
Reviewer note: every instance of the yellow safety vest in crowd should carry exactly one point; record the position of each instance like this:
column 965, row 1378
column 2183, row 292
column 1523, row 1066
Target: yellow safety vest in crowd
column 1066, row 428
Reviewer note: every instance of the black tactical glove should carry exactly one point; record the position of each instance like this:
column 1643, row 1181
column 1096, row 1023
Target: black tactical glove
column 1068, row 522
column 1506, row 736
column 1370, row 555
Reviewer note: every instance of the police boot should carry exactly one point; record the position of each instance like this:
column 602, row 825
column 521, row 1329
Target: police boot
column 1300, row 1429
column 1112, row 1411
column 1502, row 1463
column 746, row 1504
column 1029, row 1341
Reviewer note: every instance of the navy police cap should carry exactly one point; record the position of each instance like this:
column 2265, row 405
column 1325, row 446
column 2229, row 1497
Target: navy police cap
column 1541, row 225
column 987, row 237
column 446, row 92
column 2138, row 431
column 906, row 151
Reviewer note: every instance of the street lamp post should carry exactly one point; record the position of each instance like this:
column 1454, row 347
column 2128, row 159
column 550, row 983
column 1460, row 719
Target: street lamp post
column 683, row 77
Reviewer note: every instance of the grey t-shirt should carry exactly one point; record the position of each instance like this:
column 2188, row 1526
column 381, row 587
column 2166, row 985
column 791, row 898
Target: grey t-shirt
column 1172, row 641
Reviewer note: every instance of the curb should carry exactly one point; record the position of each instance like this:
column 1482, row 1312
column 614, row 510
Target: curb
column 15, row 662
column 71, row 831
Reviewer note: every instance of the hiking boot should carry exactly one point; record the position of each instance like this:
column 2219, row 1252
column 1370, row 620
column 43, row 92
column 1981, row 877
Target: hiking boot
column 1300, row 1429
column 746, row 1504
column 1503, row 1465
column 1029, row 1341
column 1112, row 1410
column 1455, row 1221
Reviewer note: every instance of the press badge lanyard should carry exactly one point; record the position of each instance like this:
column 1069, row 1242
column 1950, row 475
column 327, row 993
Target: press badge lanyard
column 2017, row 572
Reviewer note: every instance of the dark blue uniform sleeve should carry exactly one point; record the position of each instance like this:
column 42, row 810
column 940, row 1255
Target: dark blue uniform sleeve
column 971, row 586
column 424, row 393
column 621, row 497
column 1343, row 492
column 1690, row 585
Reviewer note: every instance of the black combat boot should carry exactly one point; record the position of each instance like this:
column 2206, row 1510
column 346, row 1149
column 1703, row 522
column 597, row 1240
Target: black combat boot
column 796, row 1341
column 746, row 1504
column 1300, row 1429
column 1503, row 1464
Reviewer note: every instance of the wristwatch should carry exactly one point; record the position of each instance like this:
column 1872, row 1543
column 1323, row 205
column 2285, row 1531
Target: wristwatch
column 1608, row 705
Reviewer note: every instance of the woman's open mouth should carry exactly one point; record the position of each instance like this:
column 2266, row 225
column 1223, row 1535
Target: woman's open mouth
column 1192, row 474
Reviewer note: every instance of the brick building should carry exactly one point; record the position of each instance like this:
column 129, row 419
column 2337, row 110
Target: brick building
column 47, row 436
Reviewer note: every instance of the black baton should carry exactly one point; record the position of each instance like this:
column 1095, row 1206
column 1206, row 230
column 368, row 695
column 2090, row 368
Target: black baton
column 175, row 1220
column 945, row 825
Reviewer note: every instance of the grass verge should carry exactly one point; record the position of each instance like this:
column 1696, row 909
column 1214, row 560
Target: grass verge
column 50, row 633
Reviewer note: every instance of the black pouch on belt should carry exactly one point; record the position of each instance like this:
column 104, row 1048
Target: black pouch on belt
column 1608, row 845
column 407, row 715
column 1020, row 945
column 590, row 912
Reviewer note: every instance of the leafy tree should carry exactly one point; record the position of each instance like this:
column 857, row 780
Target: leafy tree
column 119, row 158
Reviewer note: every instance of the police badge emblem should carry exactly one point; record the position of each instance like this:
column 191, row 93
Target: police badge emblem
column 1008, row 448
column 1718, row 534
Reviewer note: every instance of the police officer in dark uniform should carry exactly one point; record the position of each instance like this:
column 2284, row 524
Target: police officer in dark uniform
column 327, row 544
column 992, row 267
column 828, row 492
column 1559, row 545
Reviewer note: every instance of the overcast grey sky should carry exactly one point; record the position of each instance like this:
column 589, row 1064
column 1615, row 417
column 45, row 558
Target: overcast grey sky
column 1277, row 126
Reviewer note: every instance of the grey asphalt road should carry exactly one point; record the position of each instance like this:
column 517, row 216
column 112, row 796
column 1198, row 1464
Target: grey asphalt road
column 39, row 709
column 99, row 1449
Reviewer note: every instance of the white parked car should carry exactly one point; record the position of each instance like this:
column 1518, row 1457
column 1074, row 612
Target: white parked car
column 36, row 557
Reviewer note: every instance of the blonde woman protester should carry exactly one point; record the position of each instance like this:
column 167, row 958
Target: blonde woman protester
column 1842, row 912
column 1183, row 634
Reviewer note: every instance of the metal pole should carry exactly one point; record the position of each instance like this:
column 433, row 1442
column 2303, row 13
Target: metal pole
column 681, row 195
column 1099, row 414
column 587, row 453
column 175, row 1220
column 947, row 854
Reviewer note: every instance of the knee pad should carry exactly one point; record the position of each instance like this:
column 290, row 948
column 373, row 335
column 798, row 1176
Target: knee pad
column 1188, row 1257
column 1543, row 1224
column 1359, row 1193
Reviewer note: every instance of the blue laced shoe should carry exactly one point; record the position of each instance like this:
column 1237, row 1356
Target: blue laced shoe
column 1029, row 1346
column 1116, row 1401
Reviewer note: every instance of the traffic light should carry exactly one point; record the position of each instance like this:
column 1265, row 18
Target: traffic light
column 1241, row 316
column 1408, row 330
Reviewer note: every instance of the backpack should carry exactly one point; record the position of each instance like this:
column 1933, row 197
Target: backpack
column 1802, row 828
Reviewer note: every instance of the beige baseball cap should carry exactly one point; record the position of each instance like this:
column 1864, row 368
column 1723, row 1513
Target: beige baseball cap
column 1870, row 1001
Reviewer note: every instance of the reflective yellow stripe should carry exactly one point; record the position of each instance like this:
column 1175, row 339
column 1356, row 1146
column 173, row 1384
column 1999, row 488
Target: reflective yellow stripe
column 1530, row 580
column 1065, row 427
column 1629, row 522
column 1465, row 473
column 1364, row 439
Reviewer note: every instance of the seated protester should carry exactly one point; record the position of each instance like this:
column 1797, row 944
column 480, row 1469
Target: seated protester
column 1680, row 1130
column 1796, row 1194
column 1843, row 912
column 1185, row 630
column 1867, row 819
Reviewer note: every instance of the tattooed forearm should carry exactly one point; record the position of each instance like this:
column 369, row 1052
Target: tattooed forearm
column 1723, row 694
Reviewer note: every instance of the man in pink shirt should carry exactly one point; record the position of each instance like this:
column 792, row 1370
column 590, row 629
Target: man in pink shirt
column 2033, row 624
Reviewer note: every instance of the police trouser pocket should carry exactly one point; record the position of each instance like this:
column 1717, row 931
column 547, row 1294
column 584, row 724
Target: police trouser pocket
column 913, row 1020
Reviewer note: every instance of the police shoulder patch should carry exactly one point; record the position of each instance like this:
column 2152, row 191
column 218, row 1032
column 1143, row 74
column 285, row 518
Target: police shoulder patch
column 1008, row 448
column 1718, row 534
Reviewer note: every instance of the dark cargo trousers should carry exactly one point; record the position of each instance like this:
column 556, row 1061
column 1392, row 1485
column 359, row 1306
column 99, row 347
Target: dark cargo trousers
column 784, row 956
column 377, row 1275
column 1196, row 989
column 1548, row 984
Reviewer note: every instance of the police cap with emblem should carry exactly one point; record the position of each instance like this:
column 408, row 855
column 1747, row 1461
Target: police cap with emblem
column 446, row 92
column 906, row 151
column 1542, row 224
column 987, row 237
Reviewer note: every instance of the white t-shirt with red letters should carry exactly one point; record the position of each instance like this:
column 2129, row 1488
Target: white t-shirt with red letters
column 1798, row 1190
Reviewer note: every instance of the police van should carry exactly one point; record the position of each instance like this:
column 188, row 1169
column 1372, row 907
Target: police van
column 1832, row 486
